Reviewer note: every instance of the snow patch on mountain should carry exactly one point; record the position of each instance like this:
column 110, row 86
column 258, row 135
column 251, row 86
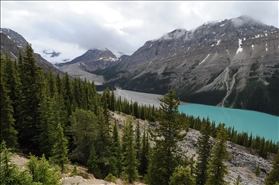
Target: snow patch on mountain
column 240, row 49
column 176, row 34
column 204, row 59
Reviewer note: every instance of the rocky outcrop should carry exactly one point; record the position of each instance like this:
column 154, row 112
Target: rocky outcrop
column 240, row 161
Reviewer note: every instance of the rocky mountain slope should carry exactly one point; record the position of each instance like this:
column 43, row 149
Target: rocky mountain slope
column 92, row 60
column 12, row 43
column 230, row 63
column 241, row 161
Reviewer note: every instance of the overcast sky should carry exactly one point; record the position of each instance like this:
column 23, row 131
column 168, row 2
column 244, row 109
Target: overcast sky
column 73, row 27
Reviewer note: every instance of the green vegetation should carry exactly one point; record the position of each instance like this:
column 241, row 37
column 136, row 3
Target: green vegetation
column 213, row 77
column 59, row 121
column 182, row 176
column 216, row 167
column 232, row 72
column 254, row 67
column 165, row 155
column 130, row 162
column 111, row 178
column 203, row 151
column 208, row 98
column 266, row 96
column 38, row 172
column 273, row 177
column 258, row 170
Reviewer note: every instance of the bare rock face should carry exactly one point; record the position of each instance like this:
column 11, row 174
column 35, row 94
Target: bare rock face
column 241, row 161
column 215, row 64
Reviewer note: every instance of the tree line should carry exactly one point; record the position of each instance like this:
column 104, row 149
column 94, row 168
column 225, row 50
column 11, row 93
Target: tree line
column 65, row 120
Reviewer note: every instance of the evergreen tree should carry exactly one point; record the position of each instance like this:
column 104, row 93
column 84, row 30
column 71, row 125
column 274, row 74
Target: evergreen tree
column 217, row 168
column 8, row 133
column 92, row 163
column 60, row 149
column 10, row 173
column 48, row 122
column 138, row 141
column 263, row 148
column 65, row 88
column 117, row 150
column 144, row 153
column 105, row 103
column 203, row 151
column 41, row 171
column 182, row 176
column 238, row 181
column 84, row 130
column 130, row 162
column 165, row 155
column 112, row 101
column 31, row 78
column 103, row 145
column 258, row 170
column 273, row 176
column 12, row 84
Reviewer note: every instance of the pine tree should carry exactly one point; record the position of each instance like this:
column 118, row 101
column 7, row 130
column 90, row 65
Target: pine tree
column 144, row 153
column 92, row 163
column 130, row 162
column 138, row 141
column 8, row 133
column 238, row 181
column 65, row 88
column 182, row 176
column 117, row 150
column 12, row 84
column 60, row 149
column 41, row 171
column 105, row 103
column 10, row 173
column 273, row 176
column 203, row 151
column 112, row 101
column 48, row 122
column 165, row 155
column 103, row 145
column 31, row 78
column 258, row 170
column 217, row 168
column 84, row 128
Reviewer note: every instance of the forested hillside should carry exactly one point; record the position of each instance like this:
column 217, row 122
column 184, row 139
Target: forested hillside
column 66, row 121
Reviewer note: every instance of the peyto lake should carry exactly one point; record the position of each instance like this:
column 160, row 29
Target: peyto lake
column 257, row 123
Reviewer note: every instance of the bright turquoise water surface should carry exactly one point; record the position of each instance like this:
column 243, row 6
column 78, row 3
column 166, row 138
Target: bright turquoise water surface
column 261, row 124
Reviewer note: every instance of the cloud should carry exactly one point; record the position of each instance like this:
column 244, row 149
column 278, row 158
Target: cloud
column 119, row 26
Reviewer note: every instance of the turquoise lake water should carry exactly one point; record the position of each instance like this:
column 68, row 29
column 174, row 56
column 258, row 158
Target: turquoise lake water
column 261, row 124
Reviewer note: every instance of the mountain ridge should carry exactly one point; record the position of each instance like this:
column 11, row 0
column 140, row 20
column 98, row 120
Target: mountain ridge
column 13, row 43
column 217, row 63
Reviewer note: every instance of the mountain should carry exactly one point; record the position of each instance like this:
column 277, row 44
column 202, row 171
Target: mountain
column 92, row 60
column 12, row 43
column 229, row 63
